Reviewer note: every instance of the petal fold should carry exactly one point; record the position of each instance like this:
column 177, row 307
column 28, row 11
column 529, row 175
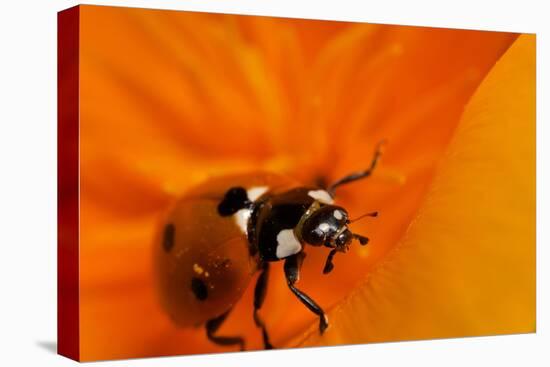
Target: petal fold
column 466, row 265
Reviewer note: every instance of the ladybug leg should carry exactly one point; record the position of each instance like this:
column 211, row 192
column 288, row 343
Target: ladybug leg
column 292, row 274
column 213, row 325
column 359, row 175
column 259, row 296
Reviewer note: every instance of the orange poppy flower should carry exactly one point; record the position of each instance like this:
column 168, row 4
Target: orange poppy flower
column 169, row 99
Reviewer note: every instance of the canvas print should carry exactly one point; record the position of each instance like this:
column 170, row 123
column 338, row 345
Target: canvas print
column 233, row 183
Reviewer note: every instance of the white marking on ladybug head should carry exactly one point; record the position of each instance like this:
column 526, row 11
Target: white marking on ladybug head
column 255, row 192
column 322, row 196
column 241, row 218
column 324, row 227
column 287, row 244
column 338, row 214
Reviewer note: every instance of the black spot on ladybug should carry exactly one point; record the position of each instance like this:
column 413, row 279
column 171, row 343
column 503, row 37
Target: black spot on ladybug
column 168, row 237
column 199, row 289
column 234, row 200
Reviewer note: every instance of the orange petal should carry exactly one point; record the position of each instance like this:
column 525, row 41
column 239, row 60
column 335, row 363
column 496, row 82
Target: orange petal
column 190, row 95
column 467, row 263
column 408, row 85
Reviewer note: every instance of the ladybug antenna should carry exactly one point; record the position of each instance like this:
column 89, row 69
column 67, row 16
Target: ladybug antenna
column 362, row 239
column 371, row 214
column 328, row 264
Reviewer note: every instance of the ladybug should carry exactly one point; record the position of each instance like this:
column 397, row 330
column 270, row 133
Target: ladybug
column 221, row 233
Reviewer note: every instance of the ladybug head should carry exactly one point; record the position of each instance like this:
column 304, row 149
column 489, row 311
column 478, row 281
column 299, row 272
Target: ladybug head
column 328, row 226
